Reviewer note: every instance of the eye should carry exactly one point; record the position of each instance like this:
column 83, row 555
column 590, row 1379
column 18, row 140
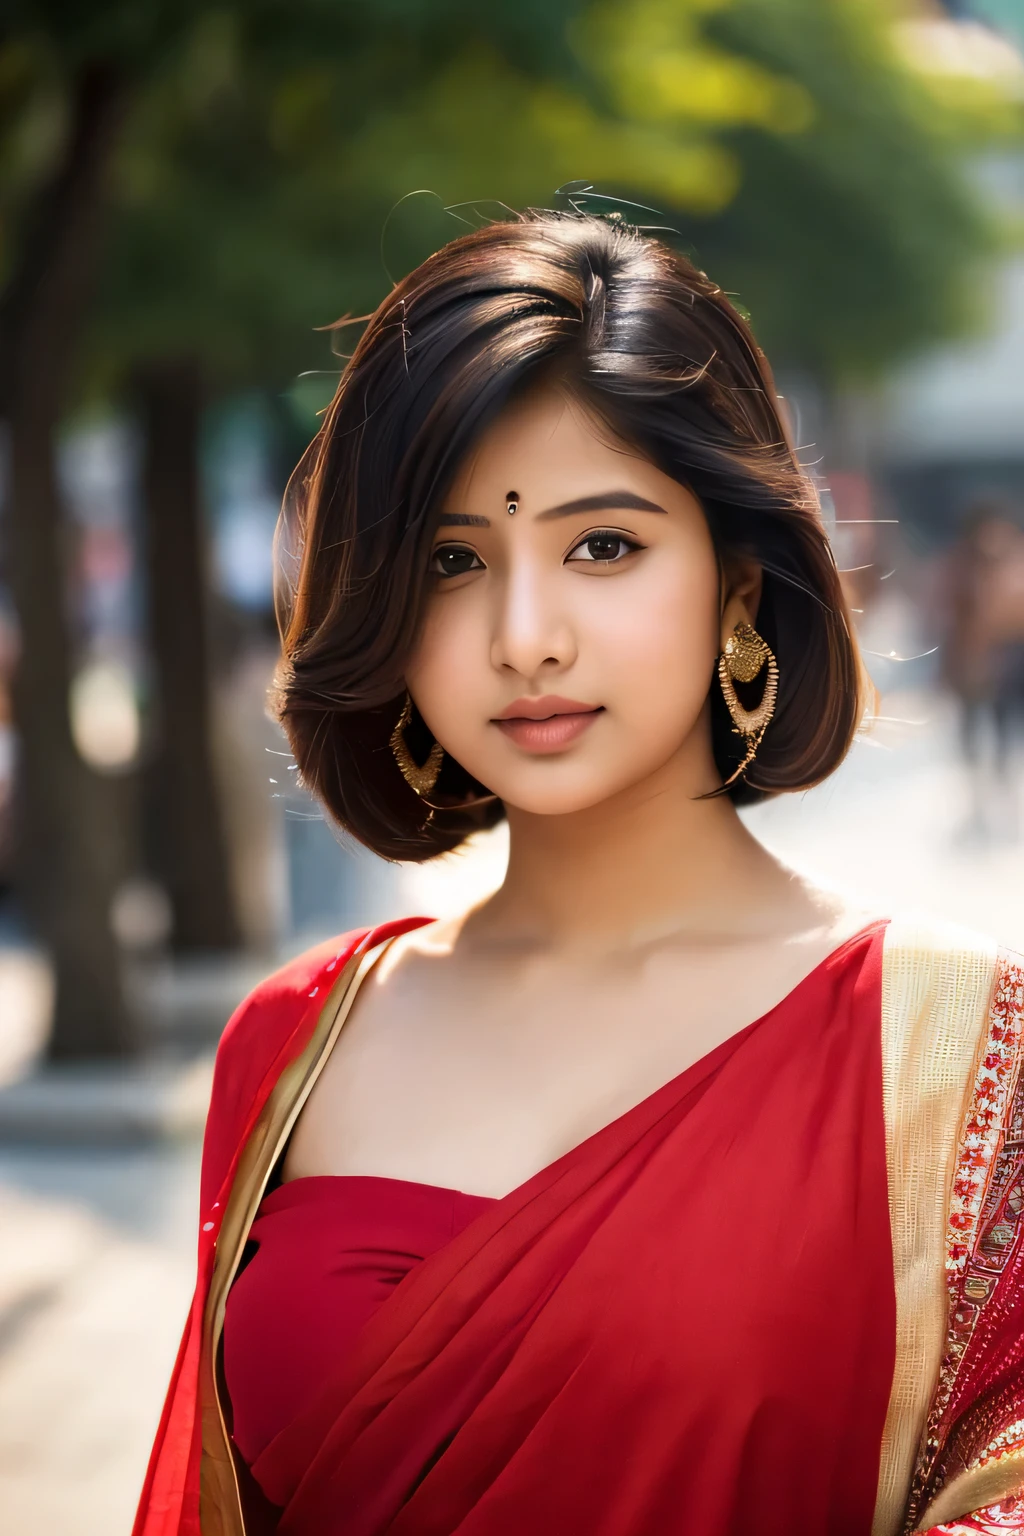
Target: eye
column 454, row 560
column 605, row 546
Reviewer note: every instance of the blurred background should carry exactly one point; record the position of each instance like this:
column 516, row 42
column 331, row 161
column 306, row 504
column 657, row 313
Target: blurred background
column 190, row 195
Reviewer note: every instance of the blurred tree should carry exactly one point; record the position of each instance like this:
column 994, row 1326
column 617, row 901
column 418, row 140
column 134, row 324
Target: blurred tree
column 867, row 210
column 67, row 848
column 187, row 841
column 66, row 78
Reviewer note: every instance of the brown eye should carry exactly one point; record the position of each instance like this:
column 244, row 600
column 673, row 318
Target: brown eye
column 605, row 547
column 454, row 560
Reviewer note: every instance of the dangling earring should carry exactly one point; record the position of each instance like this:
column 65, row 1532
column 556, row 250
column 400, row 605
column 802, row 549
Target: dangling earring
column 421, row 779
column 744, row 655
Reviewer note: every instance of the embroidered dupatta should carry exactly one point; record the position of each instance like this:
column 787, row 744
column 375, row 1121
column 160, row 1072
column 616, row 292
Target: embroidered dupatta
column 935, row 1009
column 953, row 1050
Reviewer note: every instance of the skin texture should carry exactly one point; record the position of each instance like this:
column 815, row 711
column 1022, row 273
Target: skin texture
column 639, row 925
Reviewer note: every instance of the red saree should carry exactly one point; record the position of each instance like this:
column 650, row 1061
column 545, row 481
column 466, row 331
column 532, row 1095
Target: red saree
column 690, row 1316
column 686, row 1323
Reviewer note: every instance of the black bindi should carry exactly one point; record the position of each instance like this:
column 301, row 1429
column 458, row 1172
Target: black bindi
column 512, row 503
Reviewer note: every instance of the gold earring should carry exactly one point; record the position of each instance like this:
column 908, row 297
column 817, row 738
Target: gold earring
column 743, row 658
column 421, row 779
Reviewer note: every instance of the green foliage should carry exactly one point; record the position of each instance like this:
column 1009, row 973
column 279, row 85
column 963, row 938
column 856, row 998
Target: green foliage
column 868, row 211
column 253, row 186
column 262, row 184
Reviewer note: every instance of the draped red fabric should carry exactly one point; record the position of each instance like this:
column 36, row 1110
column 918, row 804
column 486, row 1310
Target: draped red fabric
column 329, row 1253
column 268, row 1030
column 685, row 1324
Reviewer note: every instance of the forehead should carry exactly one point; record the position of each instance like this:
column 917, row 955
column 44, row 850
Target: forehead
column 546, row 448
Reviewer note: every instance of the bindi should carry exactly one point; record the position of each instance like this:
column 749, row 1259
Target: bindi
column 512, row 503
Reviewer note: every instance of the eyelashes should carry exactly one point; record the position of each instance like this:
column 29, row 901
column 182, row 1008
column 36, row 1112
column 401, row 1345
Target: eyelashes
column 602, row 546
column 450, row 560
column 606, row 547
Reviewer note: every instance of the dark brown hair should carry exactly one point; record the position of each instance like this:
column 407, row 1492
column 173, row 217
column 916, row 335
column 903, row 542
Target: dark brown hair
column 659, row 353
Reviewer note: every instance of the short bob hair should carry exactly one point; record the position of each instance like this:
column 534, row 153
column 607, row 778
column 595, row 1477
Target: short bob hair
column 657, row 352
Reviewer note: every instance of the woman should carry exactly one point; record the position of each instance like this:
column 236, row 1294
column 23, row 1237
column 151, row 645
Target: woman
column 519, row 1222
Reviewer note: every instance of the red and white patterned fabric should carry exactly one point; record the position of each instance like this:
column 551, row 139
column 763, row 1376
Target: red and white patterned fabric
column 975, row 1426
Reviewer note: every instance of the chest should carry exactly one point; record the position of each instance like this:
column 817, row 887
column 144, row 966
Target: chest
column 474, row 1081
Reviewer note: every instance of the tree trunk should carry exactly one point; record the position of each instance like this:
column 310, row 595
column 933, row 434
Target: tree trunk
column 191, row 852
column 68, row 849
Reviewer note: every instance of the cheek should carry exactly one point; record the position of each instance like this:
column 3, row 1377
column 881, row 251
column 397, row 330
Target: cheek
column 444, row 672
column 659, row 642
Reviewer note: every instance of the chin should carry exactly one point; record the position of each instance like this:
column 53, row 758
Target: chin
column 565, row 799
column 553, row 805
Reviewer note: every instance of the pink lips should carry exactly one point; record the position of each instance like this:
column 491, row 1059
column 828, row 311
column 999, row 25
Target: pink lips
column 548, row 724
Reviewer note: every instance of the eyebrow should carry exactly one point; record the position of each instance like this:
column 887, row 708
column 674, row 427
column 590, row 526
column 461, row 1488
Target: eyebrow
column 603, row 501
column 462, row 520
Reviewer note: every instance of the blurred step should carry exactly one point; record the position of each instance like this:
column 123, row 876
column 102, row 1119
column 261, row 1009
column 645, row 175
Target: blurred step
column 106, row 1104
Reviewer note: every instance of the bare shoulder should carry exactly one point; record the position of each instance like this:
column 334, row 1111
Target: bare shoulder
column 392, row 1060
column 412, row 955
column 808, row 923
column 414, row 970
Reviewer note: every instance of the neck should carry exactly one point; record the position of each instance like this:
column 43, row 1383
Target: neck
column 651, row 861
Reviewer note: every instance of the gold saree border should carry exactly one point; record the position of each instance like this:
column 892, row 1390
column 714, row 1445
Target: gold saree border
column 221, row 1511
column 936, row 984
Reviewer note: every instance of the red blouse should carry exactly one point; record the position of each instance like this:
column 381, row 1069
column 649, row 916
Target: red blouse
column 331, row 1250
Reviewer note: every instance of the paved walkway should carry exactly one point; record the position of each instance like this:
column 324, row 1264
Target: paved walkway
column 96, row 1248
column 95, row 1275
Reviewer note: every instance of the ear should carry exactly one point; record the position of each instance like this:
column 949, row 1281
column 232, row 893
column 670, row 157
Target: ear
column 741, row 594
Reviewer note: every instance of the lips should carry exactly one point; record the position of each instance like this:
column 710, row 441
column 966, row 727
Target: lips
column 548, row 724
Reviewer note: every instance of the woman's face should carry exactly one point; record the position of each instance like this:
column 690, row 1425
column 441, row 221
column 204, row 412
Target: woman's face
column 574, row 615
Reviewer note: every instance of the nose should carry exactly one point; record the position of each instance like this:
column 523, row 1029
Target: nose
column 532, row 634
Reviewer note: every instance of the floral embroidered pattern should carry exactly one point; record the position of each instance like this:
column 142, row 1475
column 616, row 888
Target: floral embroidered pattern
column 986, row 1118
column 1009, row 1439
column 1008, row 1515
column 984, row 1248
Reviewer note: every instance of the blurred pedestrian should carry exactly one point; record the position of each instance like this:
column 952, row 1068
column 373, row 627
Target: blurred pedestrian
column 983, row 661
